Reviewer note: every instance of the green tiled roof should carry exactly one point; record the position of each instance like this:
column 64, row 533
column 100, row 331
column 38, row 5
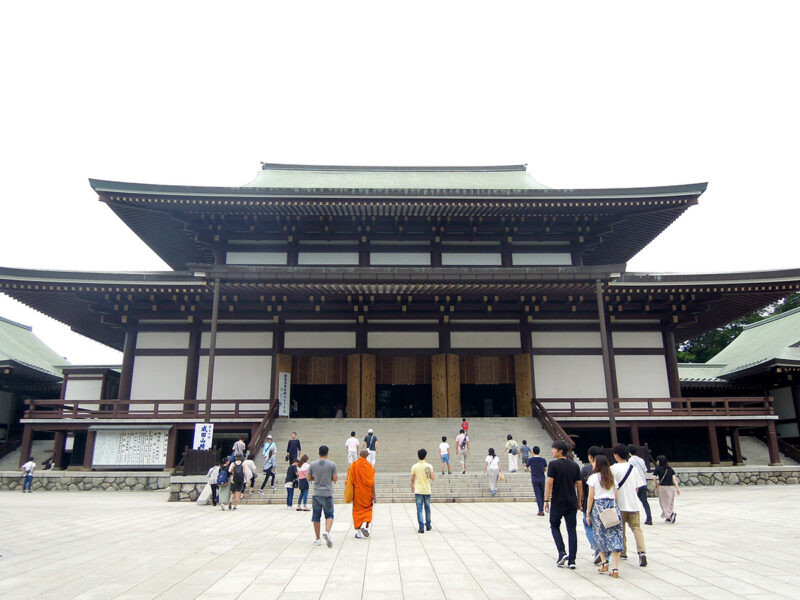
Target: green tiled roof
column 19, row 344
column 504, row 177
column 776, row 339
column 700, row 373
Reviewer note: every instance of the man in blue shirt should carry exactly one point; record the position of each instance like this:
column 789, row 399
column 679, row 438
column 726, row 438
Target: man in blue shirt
column 536, row 465
column 293, row 448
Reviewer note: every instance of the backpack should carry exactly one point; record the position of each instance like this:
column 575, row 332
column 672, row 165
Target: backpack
column 222, row 478
column 513, row 448
column 238, row 473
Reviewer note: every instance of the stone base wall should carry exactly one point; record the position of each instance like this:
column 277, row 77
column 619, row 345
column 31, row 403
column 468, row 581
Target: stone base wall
column 186, row 488
column 710, row 476
column 75, row 481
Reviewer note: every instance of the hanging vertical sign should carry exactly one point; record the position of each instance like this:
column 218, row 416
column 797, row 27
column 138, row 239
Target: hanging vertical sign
column 203, row 434
column 284, row 388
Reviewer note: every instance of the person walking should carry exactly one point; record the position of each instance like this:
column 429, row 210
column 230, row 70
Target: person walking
column 628, row 481
column 462, row 449
column 291, row 483
column 536, row 466
column 211, row 476
column 323, row 474
column 240, row 473
column 465, row 425
column 251, row 467
column 525, row 453
column 270, row 452
column 444, row 454
column 421, row 477
column 352, row 445
column 513, row 450
column 361, row 475
column 586, row 472
column 224, row 483
column 293, row 448
column 371, row 444
column 667, row 487
column 602, row 496
column 302, row 483
column 562, row 495
column 28, row 468
column 491, row 468
column 240, row 447
column 639, row 463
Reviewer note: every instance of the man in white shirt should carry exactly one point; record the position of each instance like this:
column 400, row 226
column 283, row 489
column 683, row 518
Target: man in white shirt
column 28, row 468
column 628, row 480
column 638, row 462
column 352, row 444
column 444, row 454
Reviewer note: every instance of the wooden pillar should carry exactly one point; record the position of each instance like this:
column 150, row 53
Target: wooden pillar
column 635, row 435
column 126, row 377
column 772, row 445
column 27, row 444
column 88, row 454
column 192, row 368
column 212, row 349
column 439, row 385
column 609, row 369
column 367, row 386
column 737, row 447
column 172, row 447
column 453, row 385
column 671, row 357
column 354, row 386
column 713, row 444
column 58, row 449
column 523, row 385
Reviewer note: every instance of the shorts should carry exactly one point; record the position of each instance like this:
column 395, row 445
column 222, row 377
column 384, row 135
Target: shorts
column 320, row 503
column 446, row 458
column 238, row 487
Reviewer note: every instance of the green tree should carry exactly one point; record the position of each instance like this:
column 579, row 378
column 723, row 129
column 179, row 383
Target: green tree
column 702, row 348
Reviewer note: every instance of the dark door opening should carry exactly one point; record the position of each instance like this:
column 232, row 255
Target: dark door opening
column 488, row 400
column 317, row 401
column 403, row 401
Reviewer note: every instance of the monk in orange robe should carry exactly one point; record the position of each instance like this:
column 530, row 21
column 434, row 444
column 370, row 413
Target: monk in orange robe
column 362, row 474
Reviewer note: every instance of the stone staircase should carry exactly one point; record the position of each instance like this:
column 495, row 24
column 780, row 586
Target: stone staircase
column 399, row 440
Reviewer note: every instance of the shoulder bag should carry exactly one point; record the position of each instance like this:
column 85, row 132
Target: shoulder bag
column 609, row 517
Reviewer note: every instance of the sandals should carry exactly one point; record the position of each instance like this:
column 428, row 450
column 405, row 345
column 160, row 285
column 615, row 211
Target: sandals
column 614, row 573
column 603, row 568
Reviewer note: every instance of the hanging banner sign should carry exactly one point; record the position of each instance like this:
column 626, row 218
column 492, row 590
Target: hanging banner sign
column 284, row 389
column 203, row 435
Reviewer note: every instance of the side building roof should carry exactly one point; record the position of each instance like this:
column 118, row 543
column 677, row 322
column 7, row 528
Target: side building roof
column 20, row 348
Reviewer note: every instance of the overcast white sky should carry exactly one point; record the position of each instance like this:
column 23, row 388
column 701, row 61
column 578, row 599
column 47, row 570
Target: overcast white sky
column 588, row 94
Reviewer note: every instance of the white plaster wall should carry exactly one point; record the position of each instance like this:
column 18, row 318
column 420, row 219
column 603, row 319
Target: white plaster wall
column 402, row 339
column 236, row 378
column 642, row 376
column 540, row 258
column 256, row 258
column 637, row 339
column 485, row 339
column 569, row 377
column 238, row 339
column 566, row 339
column 163, row 340
column 327, row 258
column 784, row 408
column 400, row 258
column 320, row 339
column 480, row 259
column 158, row 378
column 84, row 389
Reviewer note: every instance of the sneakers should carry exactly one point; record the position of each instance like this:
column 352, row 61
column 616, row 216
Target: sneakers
column 420, row 530
column 561, row 560
column 623, row 556
column 363, row 530
column 358, row 535
column 427, row 527
column 673, row 517
column 261, row 492
column 299, row 509
column 317, row 543
column 571, row 565
column 642, row 559
column 648, row 522
column 328, row 540
column 540, row 514
column 289, row 507
column 464, row 472
column 494, row 492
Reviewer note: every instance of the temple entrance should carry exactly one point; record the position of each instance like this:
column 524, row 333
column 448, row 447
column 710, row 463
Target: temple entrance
column 497, row 400
column 317, row 401
column 403, row 401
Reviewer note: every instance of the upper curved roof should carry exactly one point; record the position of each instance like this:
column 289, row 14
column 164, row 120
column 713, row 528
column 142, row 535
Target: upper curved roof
column 500, row 177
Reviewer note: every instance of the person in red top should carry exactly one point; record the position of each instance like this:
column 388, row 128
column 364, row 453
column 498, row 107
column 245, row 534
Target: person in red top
column 464, row 425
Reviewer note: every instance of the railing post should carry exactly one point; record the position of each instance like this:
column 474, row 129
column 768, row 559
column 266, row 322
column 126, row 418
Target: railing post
column 772, row 445
column 713, row 444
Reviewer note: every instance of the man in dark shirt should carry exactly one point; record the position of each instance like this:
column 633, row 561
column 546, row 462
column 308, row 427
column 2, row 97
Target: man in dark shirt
column 293, row 448
column 536, row 465
column 562, row 495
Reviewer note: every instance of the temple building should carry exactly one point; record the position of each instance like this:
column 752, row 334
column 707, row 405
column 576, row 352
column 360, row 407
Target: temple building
column 393, row 292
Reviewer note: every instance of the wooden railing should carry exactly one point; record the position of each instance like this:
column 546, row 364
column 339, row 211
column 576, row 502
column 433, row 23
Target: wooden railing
column 144, row 409
column 550, row 425
column 659, row 407
column 263, row 428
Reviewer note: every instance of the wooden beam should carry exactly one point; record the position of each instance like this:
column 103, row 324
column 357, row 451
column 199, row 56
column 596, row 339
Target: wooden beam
column 126, row 378
column 523, row 383
column 439, row 385
column 737, row 447
column 772, row 445
column 88, row 453
column 367, row 386
column 713, row 444
column 354, row 386
column 609, row 370
column 453, row 385
column 671, row 358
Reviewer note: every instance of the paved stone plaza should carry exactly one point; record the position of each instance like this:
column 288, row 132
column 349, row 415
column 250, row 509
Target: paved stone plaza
column 729, row 542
